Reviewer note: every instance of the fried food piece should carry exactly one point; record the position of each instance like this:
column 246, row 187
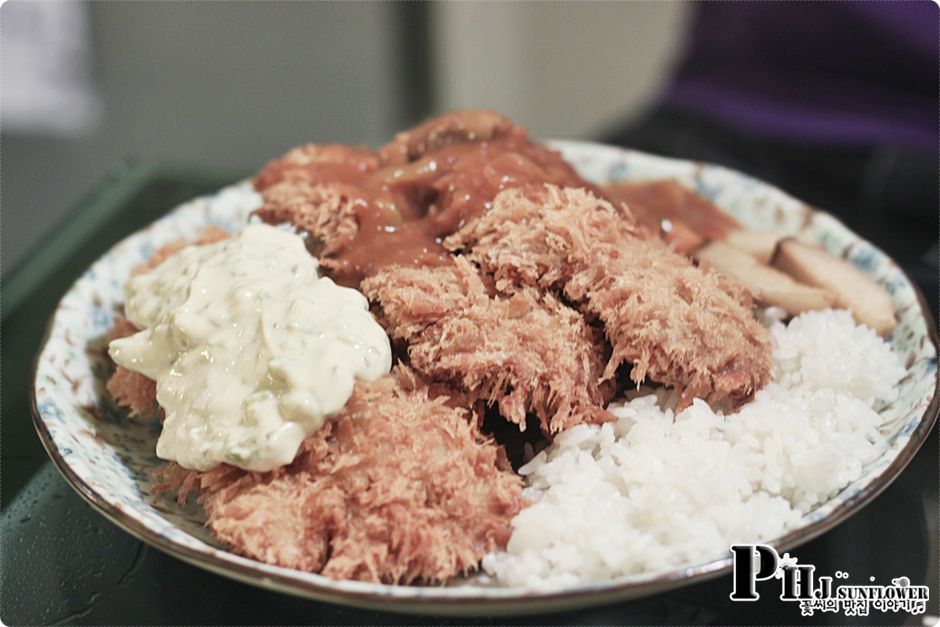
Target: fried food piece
column 678, row 324
column 325, row 212
column 473, row 125
column 398, row 488
column 130, row 389
column 368, row 210
column 332, row 163
column 523, row 353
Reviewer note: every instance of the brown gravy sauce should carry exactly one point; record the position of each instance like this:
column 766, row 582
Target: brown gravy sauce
column 430, row 181
column 405, row 205
column 678, row 214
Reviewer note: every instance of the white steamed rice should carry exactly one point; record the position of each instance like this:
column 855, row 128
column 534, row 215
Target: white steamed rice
column 654, row 491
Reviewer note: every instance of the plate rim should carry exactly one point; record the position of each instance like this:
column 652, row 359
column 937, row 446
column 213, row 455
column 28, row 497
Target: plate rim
column 525, row 600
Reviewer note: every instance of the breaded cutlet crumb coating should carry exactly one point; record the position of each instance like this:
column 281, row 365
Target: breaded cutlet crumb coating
column 522, row 353
column 398, row 488
column 678, row 324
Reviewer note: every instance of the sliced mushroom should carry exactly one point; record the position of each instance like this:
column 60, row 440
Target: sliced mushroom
column 768, row 286
column 759, row 244
column 853, row 289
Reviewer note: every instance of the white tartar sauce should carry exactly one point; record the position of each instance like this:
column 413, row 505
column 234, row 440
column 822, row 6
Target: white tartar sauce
column 250, row 349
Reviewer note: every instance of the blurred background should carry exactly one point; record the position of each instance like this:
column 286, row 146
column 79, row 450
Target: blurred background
column 834, row 102
column 232, row 85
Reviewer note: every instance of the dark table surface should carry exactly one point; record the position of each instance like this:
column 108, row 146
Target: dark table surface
column 63, row 563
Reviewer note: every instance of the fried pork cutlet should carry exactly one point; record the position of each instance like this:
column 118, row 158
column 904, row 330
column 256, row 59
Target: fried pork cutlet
column 363, row 210
column 676, row 323
column 456, row 127
column 326, row 212
column 398, row 488
column 523, row 353
column 331, row 163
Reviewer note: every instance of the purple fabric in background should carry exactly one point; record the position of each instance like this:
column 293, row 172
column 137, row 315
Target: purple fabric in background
column 850, row 72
